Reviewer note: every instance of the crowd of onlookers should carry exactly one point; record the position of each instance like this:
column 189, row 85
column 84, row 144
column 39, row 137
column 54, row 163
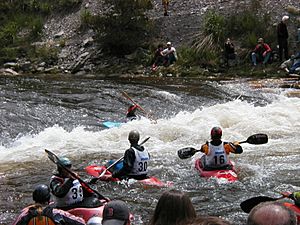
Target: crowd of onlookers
column 262, row 54
column 174, row 207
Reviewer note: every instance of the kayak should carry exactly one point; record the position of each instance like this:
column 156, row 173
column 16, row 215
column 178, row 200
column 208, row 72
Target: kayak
column 90, row 214
column 293, row 207
column 151, row 182
column 111, row 124
column 230, row 175
column 87, row 213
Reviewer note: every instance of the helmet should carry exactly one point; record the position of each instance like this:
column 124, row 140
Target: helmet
column 65, row 161
column 134, row 137
column 216, row 133
column 41, row 194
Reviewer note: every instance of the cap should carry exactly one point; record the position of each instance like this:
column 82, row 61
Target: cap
column 260, row 40
column 284, row 18
column 115, row 213
column 168, row 43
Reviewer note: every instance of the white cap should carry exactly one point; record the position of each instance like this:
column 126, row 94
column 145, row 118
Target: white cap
column 284, row 18
column 168, row 43
column 94, row 221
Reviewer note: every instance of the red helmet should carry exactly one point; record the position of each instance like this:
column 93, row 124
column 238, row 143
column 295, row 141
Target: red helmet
column 216, row 133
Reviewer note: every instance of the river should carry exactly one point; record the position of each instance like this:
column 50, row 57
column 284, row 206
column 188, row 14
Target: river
column 61, row 113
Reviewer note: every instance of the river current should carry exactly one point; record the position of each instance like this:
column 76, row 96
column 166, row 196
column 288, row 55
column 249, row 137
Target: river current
column 64, row 114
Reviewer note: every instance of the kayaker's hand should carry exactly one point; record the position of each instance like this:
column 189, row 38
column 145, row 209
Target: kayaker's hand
column 236, row 143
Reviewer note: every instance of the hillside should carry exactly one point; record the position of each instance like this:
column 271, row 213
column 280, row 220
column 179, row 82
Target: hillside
column 79, row 53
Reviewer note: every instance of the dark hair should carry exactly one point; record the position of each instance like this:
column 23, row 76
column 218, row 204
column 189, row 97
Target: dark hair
column 271, row 212
column 209, row 220
column 174, row 207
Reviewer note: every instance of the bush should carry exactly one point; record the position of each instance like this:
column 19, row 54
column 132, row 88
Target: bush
column 125, row 27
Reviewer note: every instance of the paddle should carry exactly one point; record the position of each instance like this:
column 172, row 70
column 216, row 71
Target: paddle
column 255, row 139
column 54, row 158
column 140, row 107
column 250, row 203
column 94, row 180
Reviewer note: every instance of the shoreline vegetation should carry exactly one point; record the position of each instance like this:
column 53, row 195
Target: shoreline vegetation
column 25, row 49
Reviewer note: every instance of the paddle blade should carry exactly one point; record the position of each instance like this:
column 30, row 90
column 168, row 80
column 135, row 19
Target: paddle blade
column 186, row 153
column 257, row 139
column 250, row 203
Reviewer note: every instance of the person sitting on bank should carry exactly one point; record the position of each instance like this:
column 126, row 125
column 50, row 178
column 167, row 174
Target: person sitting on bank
column 136, row 159
column 261, row 53
column 158, row 59
column 229, row 51
column 67, row 190
column 217, row 152
column 44, row 214
column 170, row 55
column 292, row 65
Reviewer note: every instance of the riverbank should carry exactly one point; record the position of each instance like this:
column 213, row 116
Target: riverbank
column 66, row 48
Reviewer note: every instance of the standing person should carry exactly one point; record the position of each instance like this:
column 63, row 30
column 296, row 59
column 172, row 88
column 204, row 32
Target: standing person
column 170, row 55
column 41, row 213
column 229, row 51
column 136, row 159
column 282, row 37
column 271, row 213
column 165, row 4
column 173, row 208
column 261, row 53
column 217, row 152
column 68, row 192
column 209, row 220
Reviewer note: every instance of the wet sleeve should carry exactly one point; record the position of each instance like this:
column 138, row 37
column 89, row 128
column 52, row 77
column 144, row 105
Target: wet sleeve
column 128, row 162
column 233, row 148
column 60, row 189
column 204, row 148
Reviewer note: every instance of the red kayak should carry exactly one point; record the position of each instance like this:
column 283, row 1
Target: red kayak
column 92, row 213
column 151, row 182
column 293, row 207
column 87, row 213
column 230, row 175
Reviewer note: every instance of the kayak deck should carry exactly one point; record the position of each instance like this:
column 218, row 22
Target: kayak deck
column 230, row 175
column 150, row 182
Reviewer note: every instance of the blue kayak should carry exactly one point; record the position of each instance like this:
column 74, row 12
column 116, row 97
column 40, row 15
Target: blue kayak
column 111, row 124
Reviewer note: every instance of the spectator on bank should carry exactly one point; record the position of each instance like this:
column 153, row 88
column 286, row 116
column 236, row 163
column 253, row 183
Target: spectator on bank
column 158, row 59
column 261, row 53
column 292, row 65
column 229, row 51
column 173, row 207
column 165, row 4
column 170, row 55
column 271, row 213
column 282, row 38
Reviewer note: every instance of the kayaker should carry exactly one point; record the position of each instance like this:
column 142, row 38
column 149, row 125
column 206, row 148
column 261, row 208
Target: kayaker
column 68, row 192
column 131, row 112
column 173, row 207
column 136, row 158
column 267, row 213
column 216, row 151
column 295, row 196
column 41, row 213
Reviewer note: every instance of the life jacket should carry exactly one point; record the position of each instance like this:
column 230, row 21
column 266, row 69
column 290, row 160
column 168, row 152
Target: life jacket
column 216, row 156
column 74, row 195
column 40, row 218
column 140, row 166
